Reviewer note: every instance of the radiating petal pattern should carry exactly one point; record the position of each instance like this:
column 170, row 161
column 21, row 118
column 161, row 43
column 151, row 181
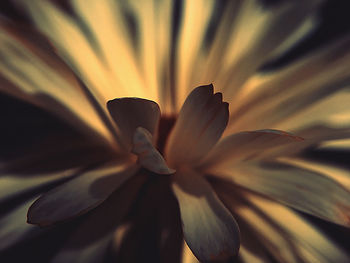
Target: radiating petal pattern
column 35, row 74
column 79, row 195
column 245, row 146
column 209, row 229
column 296, row 187
column 281, row 232
column 201, row 121
column 268, row 102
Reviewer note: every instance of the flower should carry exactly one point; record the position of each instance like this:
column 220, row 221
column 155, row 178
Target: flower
column 135, row 182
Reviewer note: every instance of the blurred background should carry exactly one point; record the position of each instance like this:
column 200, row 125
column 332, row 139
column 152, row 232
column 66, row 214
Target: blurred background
column 25, row 127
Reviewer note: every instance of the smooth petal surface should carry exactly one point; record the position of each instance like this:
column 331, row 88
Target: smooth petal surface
column 210, row 230
column 246, row 145
column 131, row 113
column 148, row 156
column 200, row 123
column 12, row 185
column 78, row 195
column 31, row 71
column 282, row 101
column 90, row 241
column 275, row 230
column 299, row 188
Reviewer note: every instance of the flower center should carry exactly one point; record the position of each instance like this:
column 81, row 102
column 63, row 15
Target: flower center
column 166, row 124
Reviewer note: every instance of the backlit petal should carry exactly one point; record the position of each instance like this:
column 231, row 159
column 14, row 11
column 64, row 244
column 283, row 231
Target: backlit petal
column 296, row 187
column 246, row 145
column 201, row 121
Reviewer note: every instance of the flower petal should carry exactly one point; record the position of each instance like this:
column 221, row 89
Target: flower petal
column 276, row 229
column 320, row 74
column 209, row 229
column 31, row 71
column 78, row 195
column 91, row 239
column 299, row 188
column 148, row 156
column 201, row 121
column 14, row 228
column 246, row 145
column 131, row 113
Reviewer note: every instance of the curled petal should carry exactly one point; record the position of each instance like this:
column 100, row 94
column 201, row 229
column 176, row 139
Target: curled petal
column 148, row 156
column 131, row 113
column 200, row 124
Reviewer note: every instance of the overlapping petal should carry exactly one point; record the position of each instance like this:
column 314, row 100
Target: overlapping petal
column 246, row 145
column 299, row 188
column 200, row 123
column 79, row 195
column 131, row 113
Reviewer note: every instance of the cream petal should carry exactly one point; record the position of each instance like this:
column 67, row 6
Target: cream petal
column 299, row 188
column 278, row 230
column 148, row 156
column 193, row 24
column 200, row 123
column 76, row 47
column 131, row 113
column 109, row 31
column 90, row 241
column 210, row 230
column 268, row 103
column 257, row 34
column 312, row 244
column 32, row 72
column 246, row 145
column 79, row 195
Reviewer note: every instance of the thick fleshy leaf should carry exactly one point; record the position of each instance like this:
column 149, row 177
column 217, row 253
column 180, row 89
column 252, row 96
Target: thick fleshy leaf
column 201, row 121
column 147, row 154
column 90, row 241
column 131, row 113
column 246, row 146
column 299, row 188
column 79, row 195
column 210, row 230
